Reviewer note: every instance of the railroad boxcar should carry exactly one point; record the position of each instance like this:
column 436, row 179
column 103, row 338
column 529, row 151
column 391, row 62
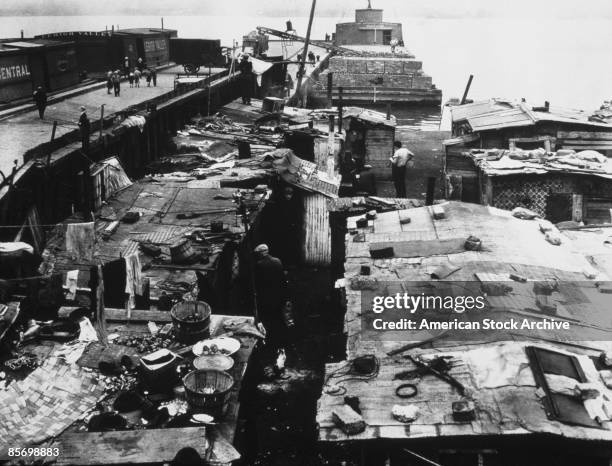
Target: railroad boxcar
column 196, row 53
column 152, row 45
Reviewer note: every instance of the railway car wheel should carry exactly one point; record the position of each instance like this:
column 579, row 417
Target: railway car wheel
column 191, row 68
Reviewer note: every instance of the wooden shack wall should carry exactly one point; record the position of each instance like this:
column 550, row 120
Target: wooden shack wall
column 316, row 231
column 565, row 135
column 461, row 176
column 379, row 149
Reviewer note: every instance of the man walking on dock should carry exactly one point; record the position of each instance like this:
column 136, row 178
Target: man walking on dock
column 40, row 98
column 85, row 127
column 402, row 157
column 117, row 83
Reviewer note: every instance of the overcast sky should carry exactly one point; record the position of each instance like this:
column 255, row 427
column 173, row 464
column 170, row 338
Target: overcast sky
column 584, row 9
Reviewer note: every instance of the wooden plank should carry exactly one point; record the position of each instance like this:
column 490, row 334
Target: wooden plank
column 588, row 142
column 120, row 315
column 592, row 147
column 139, row 446
column 577, row 207
column 584, row 135
column 137, row 315
column 487, row 195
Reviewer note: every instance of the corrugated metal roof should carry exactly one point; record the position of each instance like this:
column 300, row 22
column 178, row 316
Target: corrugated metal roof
column 500, row 119
column 462, row 112
column 498, row 113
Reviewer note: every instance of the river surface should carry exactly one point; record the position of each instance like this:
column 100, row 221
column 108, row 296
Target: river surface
column 565, row 62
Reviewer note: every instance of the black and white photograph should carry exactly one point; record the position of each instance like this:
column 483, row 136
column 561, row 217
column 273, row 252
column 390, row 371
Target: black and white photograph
column 306, row 233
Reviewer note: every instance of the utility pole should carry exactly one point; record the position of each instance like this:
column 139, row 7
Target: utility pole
column 303, row 61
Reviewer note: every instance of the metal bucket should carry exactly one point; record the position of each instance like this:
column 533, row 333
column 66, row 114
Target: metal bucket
column 191, row 321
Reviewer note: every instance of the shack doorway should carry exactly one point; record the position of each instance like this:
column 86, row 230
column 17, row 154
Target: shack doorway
column 559, row 207
column 355, row 152
column 282, row 223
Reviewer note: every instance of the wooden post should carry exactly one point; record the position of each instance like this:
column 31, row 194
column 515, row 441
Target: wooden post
column 209, row 83
column 467, row 89
column 100, row 315
column 577, row 207
column 52, row 138
column 487, row 196
column 388, row 111
column 340, row 108
column 305, row 52
column 431, row 188
column 330, row 148
column 330, row 85
column 101, row 119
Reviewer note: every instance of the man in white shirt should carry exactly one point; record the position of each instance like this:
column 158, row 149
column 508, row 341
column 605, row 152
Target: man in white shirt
column 402, row 158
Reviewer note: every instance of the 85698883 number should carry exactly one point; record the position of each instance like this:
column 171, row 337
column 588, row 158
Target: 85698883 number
column 33, row 451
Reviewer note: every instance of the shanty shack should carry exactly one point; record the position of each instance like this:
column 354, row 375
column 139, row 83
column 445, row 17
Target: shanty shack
column 493, row 394
column 370, row 138
column 505, row 124
column 520, row 128
column 560, row 186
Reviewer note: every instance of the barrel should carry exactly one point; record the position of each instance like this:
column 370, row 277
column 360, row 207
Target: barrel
column 182, row 252
column 191, row 321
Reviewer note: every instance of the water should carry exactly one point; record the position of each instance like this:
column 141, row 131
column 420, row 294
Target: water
column 563, row 61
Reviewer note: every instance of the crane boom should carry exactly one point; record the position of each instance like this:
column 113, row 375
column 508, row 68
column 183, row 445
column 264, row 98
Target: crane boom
column 318, row 43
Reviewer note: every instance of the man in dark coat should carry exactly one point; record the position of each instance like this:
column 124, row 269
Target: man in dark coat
column 117, row 83
column 85, row 127
column 40, row 98
column 246, row 79
column 271, row 289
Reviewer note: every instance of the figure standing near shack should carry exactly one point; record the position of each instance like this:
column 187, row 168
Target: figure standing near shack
column 402, row 158
column 40, row 99
column 246, row 79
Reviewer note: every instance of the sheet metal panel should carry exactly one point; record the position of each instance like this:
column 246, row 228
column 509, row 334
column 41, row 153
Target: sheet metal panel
column 316, row 244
